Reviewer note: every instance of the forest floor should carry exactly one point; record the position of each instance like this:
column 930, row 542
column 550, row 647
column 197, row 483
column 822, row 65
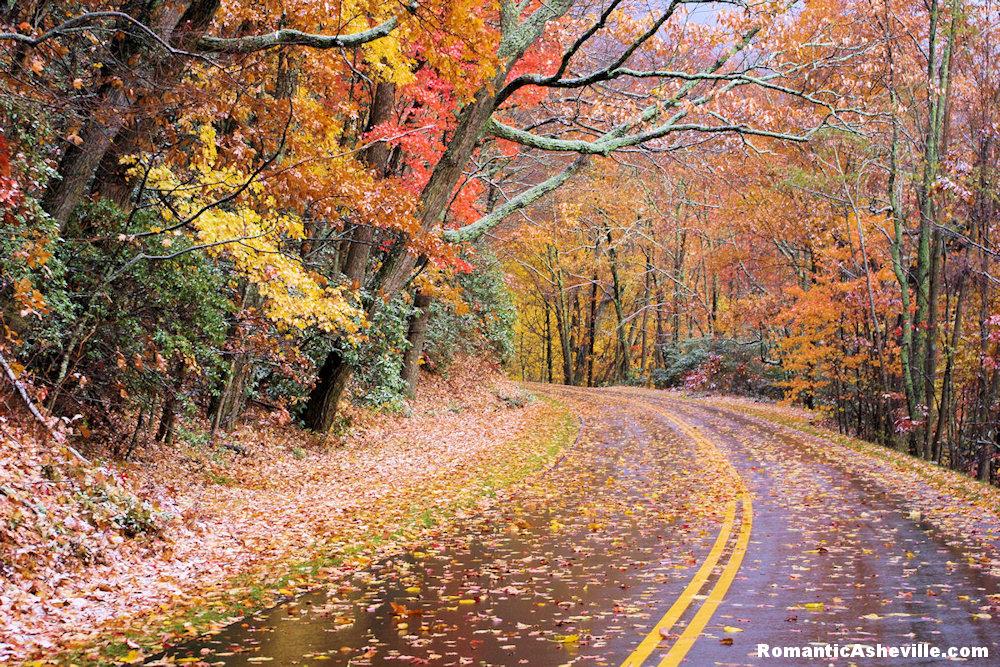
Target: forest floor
column 192, row 536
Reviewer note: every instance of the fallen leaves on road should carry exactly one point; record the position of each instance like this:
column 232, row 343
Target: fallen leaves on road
column 569, row 566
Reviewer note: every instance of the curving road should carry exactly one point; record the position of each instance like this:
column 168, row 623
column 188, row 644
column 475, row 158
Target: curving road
column 672, row 532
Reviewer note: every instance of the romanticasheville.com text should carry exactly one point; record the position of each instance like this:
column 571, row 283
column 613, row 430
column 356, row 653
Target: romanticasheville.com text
column 830, row 651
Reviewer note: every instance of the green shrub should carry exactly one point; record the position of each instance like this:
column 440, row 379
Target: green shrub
column 720, row 364
column 488, row 326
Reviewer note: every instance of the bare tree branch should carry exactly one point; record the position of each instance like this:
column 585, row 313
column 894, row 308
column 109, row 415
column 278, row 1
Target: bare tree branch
column 210, row 44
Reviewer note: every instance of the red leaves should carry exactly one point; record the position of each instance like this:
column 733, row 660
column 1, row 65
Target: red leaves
column 11, row 196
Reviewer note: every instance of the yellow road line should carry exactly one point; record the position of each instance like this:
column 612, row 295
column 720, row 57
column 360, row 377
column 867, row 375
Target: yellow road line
column 652, row 640
column 694, row 629
column 701, row 618
column 704, row 614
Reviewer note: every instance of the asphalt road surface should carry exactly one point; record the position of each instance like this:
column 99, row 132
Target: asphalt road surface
column 672, row 532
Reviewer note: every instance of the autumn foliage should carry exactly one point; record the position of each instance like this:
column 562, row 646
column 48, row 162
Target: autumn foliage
column 221, row 212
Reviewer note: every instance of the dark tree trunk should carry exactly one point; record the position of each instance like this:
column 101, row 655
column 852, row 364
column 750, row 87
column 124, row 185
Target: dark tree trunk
column 416, row 335
column 335, row 372
column 548, row 342
column 79, row 163
column 110, row 115
column 232, row 399
column 321, row 410
column 622, row 355
column 376, row 157
column 591, row 329
column 168, row 418
column 226, row 408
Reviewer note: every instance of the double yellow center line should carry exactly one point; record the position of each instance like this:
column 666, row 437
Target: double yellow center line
column 711, row 602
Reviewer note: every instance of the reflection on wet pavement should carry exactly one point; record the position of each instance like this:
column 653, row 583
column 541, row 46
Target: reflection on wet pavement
column 581, row 563
column 574, row 568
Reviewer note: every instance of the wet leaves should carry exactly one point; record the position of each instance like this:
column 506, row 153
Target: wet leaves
column 276, row 509
column 569, row 567
column 575, row 566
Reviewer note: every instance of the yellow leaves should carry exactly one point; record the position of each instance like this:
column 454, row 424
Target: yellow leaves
column 814, row 606
column 252, row 234
column 730, row 629
column 209, row 152
column 389, row 64
column 133, row 657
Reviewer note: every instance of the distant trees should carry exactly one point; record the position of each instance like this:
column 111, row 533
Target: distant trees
column 226, row 202
column 855, row 273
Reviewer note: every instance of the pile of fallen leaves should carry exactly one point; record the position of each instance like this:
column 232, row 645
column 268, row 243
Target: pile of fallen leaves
column 86, row 549
column 57, row 515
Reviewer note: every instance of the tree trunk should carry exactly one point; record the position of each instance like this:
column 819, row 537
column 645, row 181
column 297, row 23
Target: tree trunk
column 228, row 405
column 335, row 372
column 398, row 264
column 644, row 334
column 416, row 335
column 321, row 410
column 622, row 356
column 110, row 114
column 680, row 238
column 168, row 418
column 548, row 342
column 591, row 329
column 445, row 176
column 946, row 383
column 375, row 157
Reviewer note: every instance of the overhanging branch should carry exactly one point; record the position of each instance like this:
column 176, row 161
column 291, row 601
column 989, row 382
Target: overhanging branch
column 289, row 37
column 477, row 229
column 210, row 44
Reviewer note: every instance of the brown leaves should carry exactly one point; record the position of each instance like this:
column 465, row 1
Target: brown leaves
column 272, row 507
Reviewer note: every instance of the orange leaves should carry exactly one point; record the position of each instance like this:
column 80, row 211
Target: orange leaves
column 29, row 300
column 404, row 611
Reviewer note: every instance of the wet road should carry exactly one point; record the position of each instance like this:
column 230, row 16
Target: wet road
column 671, row 532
